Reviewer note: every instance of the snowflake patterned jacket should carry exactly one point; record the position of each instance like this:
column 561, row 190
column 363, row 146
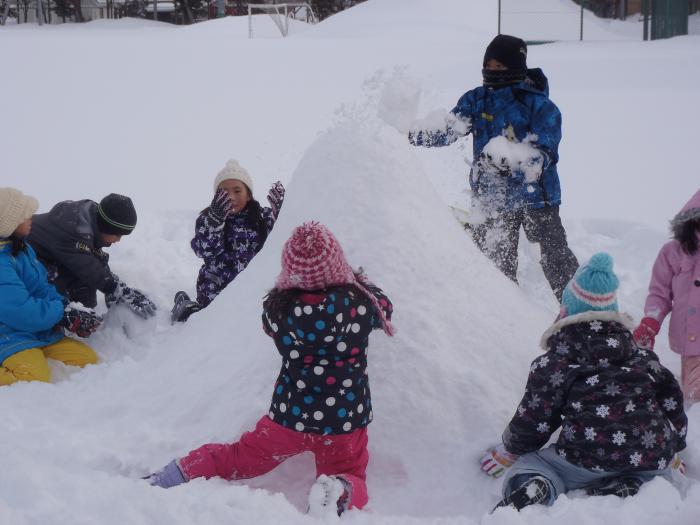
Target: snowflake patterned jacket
column 619, row 408
column 514, row 112
column 323, row 386
column 227, row 248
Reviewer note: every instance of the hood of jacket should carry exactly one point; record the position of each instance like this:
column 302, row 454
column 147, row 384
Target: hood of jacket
column 690, row 211
column 535, row 82
column 604, row 325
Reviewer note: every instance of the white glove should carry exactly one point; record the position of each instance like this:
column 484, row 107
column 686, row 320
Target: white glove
column 497, row 460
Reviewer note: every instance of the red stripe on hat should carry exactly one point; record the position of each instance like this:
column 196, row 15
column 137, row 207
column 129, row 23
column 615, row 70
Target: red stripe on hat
column 591, row 298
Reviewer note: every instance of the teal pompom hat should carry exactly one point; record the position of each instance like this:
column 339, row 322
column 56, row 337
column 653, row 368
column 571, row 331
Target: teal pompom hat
column 593, row 287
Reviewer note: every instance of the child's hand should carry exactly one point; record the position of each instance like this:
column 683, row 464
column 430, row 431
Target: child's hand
column 275, row 197
column 487, row 164
column 80, row 321
column 497, row 460
column 645, row 333
column 221, row 206
column 677, row 463
column 169, row 476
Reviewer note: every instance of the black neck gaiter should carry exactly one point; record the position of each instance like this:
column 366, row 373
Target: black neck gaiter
column 496, row 78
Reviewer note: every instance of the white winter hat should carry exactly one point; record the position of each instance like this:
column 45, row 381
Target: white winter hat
column 15, row 208
column 234, row 171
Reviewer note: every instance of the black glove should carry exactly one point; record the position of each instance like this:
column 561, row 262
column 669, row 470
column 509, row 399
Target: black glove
column 135, row 299
column 221, row 206
column 487, row 164
column 80, row 321
column 275, row 197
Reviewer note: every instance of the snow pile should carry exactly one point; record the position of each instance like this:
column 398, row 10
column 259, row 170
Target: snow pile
column 516, row 156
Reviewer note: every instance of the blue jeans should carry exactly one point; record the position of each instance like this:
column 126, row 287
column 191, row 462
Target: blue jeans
column 563, row 476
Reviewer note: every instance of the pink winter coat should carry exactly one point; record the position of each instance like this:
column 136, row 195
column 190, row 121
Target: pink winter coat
column 675, row 288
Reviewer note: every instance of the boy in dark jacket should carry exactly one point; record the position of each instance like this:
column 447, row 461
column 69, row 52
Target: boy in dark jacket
column 516, row 131
column 621, row 411
column 69, row 241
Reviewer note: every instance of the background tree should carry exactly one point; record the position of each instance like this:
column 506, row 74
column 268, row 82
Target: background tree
column 325, row 8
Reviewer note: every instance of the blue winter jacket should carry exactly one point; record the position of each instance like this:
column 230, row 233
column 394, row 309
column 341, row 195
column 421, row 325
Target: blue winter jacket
column 513, row 112
column 30, row 307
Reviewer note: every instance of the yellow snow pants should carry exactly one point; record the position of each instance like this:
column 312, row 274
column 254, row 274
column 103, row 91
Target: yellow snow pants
column 31, row 365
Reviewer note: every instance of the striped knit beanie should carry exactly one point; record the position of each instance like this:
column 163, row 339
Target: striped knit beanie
column 312, row 259
column 593, row 287
column 15, row 208
column 116, row 215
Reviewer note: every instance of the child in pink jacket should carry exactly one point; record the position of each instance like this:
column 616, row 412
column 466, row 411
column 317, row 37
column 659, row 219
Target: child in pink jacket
column 675, row 288
column 319, row 315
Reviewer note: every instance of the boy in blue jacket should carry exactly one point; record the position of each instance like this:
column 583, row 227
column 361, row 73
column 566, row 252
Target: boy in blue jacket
column 516, row 131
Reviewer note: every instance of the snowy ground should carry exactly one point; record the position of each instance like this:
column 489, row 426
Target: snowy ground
column 153, row 111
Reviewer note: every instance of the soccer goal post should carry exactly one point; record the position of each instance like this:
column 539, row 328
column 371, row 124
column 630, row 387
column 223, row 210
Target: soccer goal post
column 281, row 14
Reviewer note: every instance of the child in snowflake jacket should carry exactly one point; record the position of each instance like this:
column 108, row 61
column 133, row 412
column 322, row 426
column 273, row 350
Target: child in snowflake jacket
column 228, row 234
column 675, row 288
column 320, row 315
column 620, row 410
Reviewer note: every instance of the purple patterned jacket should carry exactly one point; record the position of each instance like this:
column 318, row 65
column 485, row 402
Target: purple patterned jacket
column 226, row 248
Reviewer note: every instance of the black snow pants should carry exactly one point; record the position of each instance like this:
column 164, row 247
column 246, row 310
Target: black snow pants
column 498, row 238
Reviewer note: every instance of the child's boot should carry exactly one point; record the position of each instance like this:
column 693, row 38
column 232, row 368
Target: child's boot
column 329, row 495
column 184, row 307
column 534, row 490
column 620, row 487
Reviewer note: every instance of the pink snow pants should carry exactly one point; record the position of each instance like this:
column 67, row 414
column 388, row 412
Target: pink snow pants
column 260, row 451
column 690, row 377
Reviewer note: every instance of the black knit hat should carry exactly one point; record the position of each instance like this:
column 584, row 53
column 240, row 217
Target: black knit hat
column 116, row 215
column 510, row 51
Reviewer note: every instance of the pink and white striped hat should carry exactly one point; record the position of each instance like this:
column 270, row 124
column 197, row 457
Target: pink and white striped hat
column 312, row 259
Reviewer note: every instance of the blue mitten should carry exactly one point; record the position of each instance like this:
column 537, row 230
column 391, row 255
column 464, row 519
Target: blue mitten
column 169, row 476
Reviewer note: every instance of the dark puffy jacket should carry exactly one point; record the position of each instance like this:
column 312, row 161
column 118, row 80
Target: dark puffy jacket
column 67, row 241
column 619, row 408
column 227, row 248
column 323, row 386
column 515, row 112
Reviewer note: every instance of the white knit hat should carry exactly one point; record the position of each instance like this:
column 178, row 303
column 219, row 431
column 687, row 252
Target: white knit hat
column 15, row 208
column 234, row 171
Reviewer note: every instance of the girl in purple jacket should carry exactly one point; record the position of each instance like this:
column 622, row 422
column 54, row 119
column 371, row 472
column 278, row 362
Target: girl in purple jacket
column 228, row 234
column 675, row 288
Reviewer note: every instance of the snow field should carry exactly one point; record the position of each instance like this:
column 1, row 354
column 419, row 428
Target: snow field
column 159, row 116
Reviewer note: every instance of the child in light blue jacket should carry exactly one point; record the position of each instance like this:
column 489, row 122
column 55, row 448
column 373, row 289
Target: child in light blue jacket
column 33, row 314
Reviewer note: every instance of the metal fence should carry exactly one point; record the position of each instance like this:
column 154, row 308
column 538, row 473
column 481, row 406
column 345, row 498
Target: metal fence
column 545, row 21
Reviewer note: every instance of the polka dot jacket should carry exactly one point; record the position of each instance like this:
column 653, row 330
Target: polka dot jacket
column 322, row 387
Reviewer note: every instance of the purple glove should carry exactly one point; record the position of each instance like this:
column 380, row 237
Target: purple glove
column 275, row 197
column 169, row 476
column 221, row 206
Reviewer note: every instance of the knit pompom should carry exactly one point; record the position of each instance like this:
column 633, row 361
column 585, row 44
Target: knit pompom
column 601, row 262
column 593, row 287
column 312, row 259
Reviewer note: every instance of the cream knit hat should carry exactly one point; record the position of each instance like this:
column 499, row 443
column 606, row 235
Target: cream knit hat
column 234, row 171
column 15, row 208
